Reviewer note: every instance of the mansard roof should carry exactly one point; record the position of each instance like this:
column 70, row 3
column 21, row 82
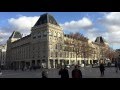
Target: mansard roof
column 100, row 40
column 46, row 18
column 16, row 34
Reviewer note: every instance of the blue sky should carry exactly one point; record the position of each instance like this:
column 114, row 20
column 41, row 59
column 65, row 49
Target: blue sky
column 90, row 24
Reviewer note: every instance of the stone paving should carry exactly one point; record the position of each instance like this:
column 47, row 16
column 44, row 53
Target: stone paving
column 87, row 72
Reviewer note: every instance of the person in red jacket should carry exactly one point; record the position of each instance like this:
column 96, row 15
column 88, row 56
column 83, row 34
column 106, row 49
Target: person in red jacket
column 76, row 73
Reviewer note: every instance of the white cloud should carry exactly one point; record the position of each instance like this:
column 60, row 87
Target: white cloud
column 111, row 21
column 83, row 23
column 3, row 35
column 94, row 32
column 23, row 23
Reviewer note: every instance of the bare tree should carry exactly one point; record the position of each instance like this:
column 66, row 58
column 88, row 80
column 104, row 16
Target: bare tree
column 110, row 53
column 77, row 44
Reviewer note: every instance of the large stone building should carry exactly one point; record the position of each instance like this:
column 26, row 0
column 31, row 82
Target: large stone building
column 47, row 45
column 3, row 54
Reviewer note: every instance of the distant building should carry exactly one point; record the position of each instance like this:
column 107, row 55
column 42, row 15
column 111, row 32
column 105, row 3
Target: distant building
column 47, row 45
column 3, row 54
column 117, row 53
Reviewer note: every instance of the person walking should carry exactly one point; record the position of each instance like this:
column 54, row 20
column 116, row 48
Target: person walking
column 116, row 66
column 102, row 68
column 44, row 74
column 0, row 71
column 119, row 65
column 76, row 73
column 64, row 72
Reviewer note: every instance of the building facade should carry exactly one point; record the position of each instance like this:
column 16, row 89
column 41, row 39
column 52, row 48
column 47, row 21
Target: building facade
column 3, row 54
column 48, row 46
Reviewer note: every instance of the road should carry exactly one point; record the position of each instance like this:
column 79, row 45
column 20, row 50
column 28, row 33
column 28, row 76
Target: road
column 87, row 72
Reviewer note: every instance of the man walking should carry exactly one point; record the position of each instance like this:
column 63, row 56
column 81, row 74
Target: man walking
column 76, row 73
column 0, row 71
column 116, row 66
column 44, row 74
column 102, row 68
column 64, row 72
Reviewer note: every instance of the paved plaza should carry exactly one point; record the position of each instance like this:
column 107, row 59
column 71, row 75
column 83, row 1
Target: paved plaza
column 87, row 72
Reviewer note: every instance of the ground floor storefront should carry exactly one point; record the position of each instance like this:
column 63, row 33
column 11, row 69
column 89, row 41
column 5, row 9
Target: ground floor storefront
column 28, row 64
column 56, row 63
column 51, row 63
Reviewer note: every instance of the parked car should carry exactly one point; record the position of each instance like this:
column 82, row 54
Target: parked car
column 82, row 65
column 95, row 65
column 68, row 66
column 112, row 64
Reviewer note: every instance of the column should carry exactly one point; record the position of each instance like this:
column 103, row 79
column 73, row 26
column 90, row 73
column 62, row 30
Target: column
column 35, row 62
column 53, row 63
column 19, row 64
column 88, row 61
column 47, row 63
column 58, row 62
column 92, row 61
column 30, row 63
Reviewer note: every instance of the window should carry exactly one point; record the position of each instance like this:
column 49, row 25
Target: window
column 71, row 55
column 60, row 54
column 56, row 46
column 34, row 37
column 51, row 54
column 68, row 54
column 39, row 36
column 55, row 34
column 56, row 54
column 50, row 33
column 44, row 35
column 33, row 56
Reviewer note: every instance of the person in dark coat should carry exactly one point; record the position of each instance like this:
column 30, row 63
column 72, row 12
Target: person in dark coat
column 102, row 68
column 116, row 66
column 119, row 65
column 64, row 72
column 44, row 74
column 0, row 71
column 76, row 73
column 60, row 71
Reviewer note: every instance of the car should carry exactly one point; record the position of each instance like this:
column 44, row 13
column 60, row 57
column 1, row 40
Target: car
column 113, row 64
column 82, row 65
column 68, row 66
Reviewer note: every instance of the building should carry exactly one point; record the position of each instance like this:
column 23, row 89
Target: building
column 3, row 54
column 48, row 46
column 117, row 53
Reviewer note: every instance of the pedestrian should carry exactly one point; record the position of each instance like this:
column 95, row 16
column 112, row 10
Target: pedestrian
column 92, row 65
column 25, row 68
column 0, row 71
column 34, row 68
column 64, row 72
column 44, row 74
column 102, row 68
column 22, row 68
column 118, row 63
column 116, row 66
column 60, row 71
column 30, row 68
column 76, row 73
